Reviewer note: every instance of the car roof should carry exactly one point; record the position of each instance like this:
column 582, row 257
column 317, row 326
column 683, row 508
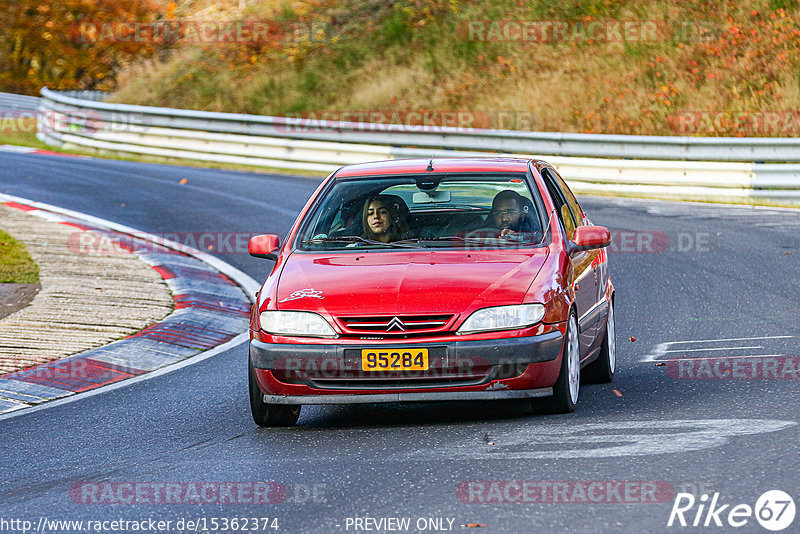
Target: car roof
column 420, row 166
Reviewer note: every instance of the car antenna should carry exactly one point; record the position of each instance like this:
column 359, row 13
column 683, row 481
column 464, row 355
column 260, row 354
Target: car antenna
column 430, row 165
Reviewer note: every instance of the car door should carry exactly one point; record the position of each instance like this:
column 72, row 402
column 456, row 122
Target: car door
column 584, row 262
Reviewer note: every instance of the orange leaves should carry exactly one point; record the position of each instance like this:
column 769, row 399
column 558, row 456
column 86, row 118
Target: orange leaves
column 505, row 64
column 63, row 56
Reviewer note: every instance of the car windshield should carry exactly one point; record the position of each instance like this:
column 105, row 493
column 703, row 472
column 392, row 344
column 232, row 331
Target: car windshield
column 425, row 211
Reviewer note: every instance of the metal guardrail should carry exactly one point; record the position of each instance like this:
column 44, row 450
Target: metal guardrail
column 287, row 143
column 12, row 102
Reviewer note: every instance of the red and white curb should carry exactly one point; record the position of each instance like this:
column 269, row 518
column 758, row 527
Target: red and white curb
column 212, row 304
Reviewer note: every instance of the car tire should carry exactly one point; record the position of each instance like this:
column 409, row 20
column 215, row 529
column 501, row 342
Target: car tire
column 567, row 387
column 601, row 371
column 266, row 414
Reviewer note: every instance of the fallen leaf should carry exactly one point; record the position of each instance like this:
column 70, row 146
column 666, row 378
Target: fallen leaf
column 209, row 247
column 633, row 339
column 184, row 181
column 786, row 253
column 660, row 364
column 122, row 205
column 474, row 525
column 617, row 392
column 490, row 443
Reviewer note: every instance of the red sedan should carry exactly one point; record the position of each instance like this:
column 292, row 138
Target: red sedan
column 433, row 280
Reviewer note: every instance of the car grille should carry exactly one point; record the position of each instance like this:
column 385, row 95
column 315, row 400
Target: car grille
column 390, row 380
column 396, row 324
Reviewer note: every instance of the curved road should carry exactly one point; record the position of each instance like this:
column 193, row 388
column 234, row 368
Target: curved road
column 722, row 281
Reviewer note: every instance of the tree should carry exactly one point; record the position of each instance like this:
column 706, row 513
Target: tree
column 58, row 43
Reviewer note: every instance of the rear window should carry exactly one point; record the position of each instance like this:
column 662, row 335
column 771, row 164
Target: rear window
column 424, row 211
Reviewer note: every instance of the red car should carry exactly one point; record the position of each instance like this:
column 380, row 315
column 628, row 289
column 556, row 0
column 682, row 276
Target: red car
column 433, row 280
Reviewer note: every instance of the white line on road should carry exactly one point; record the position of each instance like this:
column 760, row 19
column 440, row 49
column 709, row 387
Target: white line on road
column 662, row 349
column 606, row 440
column 721, row 357
column 714, row 348
column 728, row 339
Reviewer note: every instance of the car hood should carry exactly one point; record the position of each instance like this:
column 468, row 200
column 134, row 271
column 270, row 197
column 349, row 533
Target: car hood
column 409, row 283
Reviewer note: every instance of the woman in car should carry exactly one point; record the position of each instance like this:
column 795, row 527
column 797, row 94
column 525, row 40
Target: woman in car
column 385, row 219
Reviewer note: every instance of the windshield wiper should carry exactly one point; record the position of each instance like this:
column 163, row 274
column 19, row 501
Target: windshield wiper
column 353, row 239
column 459, row 239
column 423, row 240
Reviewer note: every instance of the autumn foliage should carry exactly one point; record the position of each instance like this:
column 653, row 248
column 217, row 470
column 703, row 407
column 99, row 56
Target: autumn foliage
column 38, row 44
column 715, row 67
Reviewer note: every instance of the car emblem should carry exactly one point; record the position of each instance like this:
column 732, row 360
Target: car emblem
column 308, row 292
column 396, row 323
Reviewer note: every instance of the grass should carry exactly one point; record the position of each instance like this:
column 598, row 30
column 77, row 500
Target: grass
column 22, row 139
column 721, row 58
column 16, row 265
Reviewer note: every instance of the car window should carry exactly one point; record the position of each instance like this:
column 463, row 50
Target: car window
column 576, row 209
column 405, row 211
column 562, row 206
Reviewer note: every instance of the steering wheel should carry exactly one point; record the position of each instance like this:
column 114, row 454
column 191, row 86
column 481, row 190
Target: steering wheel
column 487, row 232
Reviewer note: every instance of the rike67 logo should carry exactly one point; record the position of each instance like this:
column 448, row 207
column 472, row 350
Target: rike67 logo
column 774, row 510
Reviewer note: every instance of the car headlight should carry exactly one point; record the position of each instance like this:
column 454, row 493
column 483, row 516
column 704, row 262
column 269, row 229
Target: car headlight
column 296, row 323
column 502, row 318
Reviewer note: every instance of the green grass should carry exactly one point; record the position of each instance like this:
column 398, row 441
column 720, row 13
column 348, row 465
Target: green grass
column 22, row 139
column 16, row 265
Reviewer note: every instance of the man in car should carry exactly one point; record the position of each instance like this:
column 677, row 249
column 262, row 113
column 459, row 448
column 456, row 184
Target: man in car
column 510, row 213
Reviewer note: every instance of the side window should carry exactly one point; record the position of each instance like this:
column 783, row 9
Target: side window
column 560, row 201
column 577, row 211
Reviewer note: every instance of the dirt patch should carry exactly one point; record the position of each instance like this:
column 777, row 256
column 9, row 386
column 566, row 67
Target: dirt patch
column 14, row 297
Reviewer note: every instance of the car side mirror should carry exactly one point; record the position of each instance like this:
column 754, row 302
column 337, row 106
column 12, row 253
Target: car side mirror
column 590, row 238
column 264, row 246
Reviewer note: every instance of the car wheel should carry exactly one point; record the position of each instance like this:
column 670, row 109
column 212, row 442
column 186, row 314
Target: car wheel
column 601, row 371
column 567, row 387
column 265, row 414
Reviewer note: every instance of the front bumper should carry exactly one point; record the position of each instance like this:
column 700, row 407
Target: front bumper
column 498, row 368
column 426, row 396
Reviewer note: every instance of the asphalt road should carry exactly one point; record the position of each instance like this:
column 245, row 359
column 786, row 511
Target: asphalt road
column 729, row 274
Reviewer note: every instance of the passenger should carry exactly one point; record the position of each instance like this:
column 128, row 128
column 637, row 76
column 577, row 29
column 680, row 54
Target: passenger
column 510, row 213
column 384, row 220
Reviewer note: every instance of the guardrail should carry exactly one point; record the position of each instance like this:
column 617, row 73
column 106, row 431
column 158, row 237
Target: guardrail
column 12, row 102
column 298, row 144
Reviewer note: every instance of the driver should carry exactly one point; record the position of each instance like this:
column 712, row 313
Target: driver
column 509, row 212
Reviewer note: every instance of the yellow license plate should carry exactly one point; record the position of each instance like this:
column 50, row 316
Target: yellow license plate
column 394, row 360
